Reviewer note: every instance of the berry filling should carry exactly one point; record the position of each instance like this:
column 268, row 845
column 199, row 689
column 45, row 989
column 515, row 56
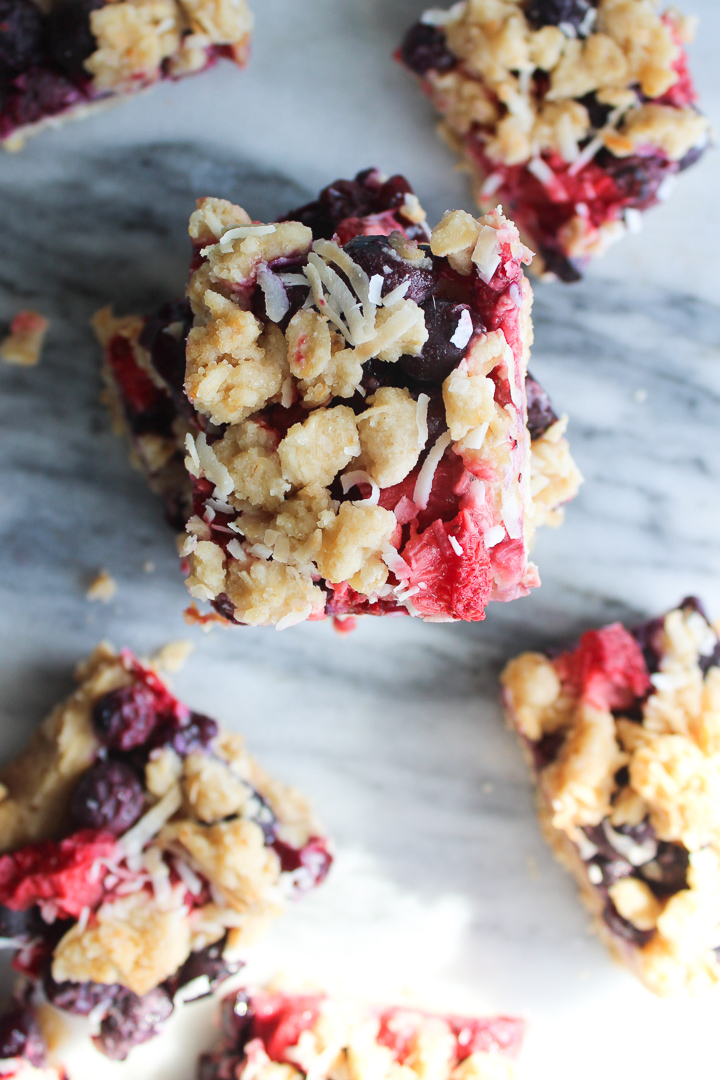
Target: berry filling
column 258, row 1027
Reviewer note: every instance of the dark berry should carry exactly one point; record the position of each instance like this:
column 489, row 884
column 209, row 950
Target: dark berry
column 425, row 49
column 224, row 606
column 611, row 870
column 220, row 1065
column 21, row 35
column 637, row 178
column 21, row 926
column 558, row 264
column 208, row 968
column 639, row 834
column 70, row 41
column 693, row 155
column 625, row 929
column 259, row 810
column 38, row 93
column 647, row 636
column 20, row 1036
column 78, row 998
column 313, row 859
column 236, row 1018
column 196, row 734
column 547, row 749
column 554, row 12
column 597, row 113
column 109, row 796
column 125, row 718
column 131, row 1020
column 667, row 873
column 444, row 320
column 377, row 257
column 392, row 193
column 367, row 194
column 167, row 350
column 540, row 411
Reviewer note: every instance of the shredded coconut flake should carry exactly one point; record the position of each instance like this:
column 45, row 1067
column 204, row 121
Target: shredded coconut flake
column 395, row 562
column 542, row 171
column 511, row 513
column 375, row 289
column 235, row 549
column 464, row 329
column 475, row 438
column 492, row 183
column 443, row 16
column 422, row 411
column 396, row 294
column 293, row 618
column 493, row 536
column 455, row 546
column 424, row 482
column 277, row 304
column 349, row 480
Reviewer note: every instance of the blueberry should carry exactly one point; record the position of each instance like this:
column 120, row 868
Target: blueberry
column 610, row 869
column 220, row 1065
column 637, row 178
column 21, row 36
column 424, row 49
column 196, row 734
column 108, row 796
column 207, row 964
column 167, row 350
column 438, row 355
column 377, row 257
column 78, row 998
column 369, row 193
column 667, row 873
column 38, row 93
column 597, row 113
column 20, row 1036
column 554, row 12
column 557, row 263
column 125, row 718
column 21, row 926
column 70, row 41
column 693, row 155
column 540, row 411
column 131, row 1020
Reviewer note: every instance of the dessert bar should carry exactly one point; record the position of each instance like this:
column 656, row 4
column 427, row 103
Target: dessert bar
column 64, row 59
column 349, row 391
column 143, row 850
column 623, row 735
column 268, row 1034
column 576, row 115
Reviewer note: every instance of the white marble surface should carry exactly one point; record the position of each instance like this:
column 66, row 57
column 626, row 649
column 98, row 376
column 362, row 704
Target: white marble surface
column 443, row 890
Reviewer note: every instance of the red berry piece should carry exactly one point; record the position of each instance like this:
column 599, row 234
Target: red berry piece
column 20, row 1037
column 132, row 1020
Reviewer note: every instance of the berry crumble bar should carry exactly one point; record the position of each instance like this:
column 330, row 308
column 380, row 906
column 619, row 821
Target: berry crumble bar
column 349, row 393
column 142, row 850
column 272, row 1035
column 23, row 1049
column 623, row 734
column 63, row 59
column 575, row 114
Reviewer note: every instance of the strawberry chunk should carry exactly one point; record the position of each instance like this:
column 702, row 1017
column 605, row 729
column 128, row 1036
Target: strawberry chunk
column 57, row 872
column 607, row 669
column 455, row 579
column 280, row 1020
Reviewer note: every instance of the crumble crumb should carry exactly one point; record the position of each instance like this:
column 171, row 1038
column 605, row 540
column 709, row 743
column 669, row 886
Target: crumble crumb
column 102, row 588
column 172, row 656
column 23, row 345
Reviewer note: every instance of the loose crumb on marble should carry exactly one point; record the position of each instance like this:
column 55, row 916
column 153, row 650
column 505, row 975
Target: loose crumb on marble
column 149, row 567
column 172, row 656
column 193, row 617
column 640, row 396
column 102, row 588
column 488, row 788
column 532, row 867
column 23, row 345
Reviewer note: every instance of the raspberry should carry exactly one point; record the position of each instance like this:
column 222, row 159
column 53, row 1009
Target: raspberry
column 125, row 718
column 607, row 669
column 35, row 94
column 377, row 257
column 60, row 873
column 280, row 1020
column 313, row 857
column 109, row 796
column 455, row 585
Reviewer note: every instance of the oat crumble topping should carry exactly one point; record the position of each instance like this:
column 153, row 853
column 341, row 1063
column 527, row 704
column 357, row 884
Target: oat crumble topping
column 24, row 344
column 623, row 735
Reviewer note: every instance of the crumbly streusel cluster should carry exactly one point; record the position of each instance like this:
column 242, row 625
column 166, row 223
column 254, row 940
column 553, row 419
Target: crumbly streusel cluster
column 548, row 94
column 624, row 734
column 270, row 1034
column 156, row 834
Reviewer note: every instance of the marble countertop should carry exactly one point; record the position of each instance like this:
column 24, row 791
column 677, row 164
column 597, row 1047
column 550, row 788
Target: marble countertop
column 443, row 891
